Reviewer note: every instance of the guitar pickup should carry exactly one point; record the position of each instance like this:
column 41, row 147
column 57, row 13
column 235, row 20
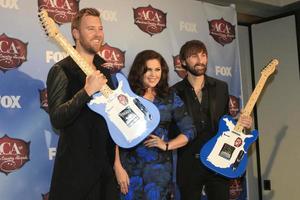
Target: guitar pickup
column 142, row 108
column 236, row 133
column 226, row 151
column 238, row 160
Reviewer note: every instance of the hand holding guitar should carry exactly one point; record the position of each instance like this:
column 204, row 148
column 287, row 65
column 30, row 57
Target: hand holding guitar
column 246, row 121
column 94, row 82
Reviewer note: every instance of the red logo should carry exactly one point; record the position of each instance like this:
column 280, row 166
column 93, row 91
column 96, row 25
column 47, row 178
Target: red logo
column 13, row 53
column 114, row 57
column 180, row 71
column 61, row 11
column 14, row 153
column 44, row 99
column 222, row 31
column 150, row 20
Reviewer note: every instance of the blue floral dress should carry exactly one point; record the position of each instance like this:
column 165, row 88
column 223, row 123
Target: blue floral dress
column 150, row 169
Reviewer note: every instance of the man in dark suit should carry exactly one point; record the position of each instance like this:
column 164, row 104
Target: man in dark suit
column 85, row 152
column 206, row 99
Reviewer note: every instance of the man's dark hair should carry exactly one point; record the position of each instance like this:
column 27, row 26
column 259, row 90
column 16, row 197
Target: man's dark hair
column 190, row 48
column 139, row 68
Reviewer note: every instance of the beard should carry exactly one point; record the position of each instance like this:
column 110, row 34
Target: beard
column 92, row 49
column 195, row 70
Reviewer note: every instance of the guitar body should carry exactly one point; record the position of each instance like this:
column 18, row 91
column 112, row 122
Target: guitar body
column 226, row 152
column 130, row 118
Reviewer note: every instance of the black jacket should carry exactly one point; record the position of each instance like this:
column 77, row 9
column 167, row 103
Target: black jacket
column 84, row 146
column 218, row 99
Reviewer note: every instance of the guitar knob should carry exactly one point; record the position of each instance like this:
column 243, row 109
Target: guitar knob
column 238, row 160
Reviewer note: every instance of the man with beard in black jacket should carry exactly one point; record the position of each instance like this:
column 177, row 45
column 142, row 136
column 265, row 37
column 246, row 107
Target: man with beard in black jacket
column 206, row 100
column 85, row 152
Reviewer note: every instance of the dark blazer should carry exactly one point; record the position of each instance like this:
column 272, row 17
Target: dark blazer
column 218, row 98
column 84, row 146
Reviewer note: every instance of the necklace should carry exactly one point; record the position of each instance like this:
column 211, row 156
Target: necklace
column 199, row 93
column 199, row 96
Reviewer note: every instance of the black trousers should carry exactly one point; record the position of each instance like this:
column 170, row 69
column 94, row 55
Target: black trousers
column 106, row 188
column 215, row 187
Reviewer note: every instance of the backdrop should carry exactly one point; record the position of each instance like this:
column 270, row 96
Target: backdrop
column 27, row 141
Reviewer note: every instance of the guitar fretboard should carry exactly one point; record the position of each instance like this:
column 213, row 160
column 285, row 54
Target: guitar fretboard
column 254, row 96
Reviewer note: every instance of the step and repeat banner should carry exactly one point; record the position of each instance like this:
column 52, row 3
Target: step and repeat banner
column 27, row 141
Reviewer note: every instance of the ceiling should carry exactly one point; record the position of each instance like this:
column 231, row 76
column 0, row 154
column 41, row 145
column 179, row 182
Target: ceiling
column 251, row 11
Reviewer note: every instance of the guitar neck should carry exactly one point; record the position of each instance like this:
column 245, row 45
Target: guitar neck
column 251, row 102
column 83, row 64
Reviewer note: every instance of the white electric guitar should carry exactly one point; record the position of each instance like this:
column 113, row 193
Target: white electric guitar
column 130, row 118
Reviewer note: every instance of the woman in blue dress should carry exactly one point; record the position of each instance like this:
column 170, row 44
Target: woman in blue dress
column 144, row 172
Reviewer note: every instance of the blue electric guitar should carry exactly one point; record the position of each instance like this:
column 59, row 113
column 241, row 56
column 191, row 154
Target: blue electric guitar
column 226, row 152
column 130, row 118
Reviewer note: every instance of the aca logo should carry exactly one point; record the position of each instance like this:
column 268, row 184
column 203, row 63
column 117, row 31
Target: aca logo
column 44, row 99
column 114, row 57
column 13, row 52
column 150, row 20
column 222, row 31
column 10, row 4
column 61, row 11
column 180, row 71
column 14, row 153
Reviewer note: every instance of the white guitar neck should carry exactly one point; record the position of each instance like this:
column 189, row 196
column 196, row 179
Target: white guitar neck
column 83, row 64
column 255, row 94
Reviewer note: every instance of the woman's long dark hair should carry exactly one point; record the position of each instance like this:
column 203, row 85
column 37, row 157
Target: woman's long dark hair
column 139, row 68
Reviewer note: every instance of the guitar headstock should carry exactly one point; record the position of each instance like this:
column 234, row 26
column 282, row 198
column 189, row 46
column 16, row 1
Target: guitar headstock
column 48, row 24
column 270, row 68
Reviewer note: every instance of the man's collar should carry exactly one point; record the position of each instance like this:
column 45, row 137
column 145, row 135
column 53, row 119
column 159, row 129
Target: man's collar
column 98, row 60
